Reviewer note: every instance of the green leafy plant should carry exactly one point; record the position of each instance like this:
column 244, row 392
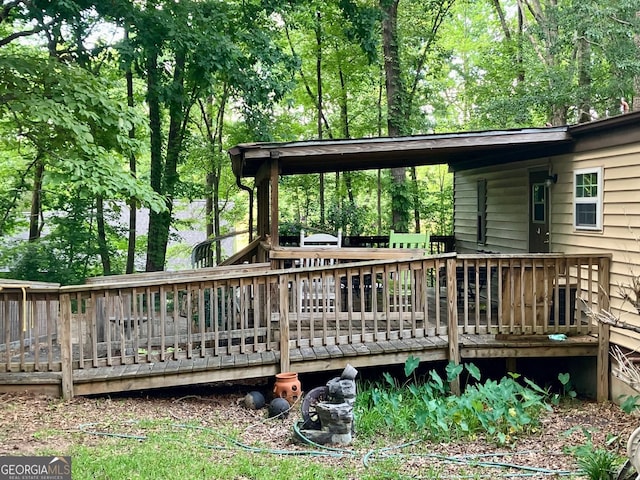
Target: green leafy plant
column 596, row 463
column 501, row 410
column 629, row 403
column 567, row 387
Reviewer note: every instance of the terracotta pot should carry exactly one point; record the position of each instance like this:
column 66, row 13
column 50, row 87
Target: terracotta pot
column 287, row 386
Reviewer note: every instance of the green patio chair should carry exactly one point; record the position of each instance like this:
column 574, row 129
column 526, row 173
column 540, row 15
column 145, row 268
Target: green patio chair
column 408, row 240
column 401, row 282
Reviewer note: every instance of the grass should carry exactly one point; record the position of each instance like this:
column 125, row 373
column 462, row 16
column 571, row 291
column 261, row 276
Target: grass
column 164, row 449
column 157, row 458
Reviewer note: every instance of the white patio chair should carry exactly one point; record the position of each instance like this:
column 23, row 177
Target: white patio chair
column 313, row 295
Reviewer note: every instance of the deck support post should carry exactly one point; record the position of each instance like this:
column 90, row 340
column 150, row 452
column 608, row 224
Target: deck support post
column 65, row 347
column 285, row 362
column 602, row 363
column 602, row 389
column 511, row 365
column 452, row 318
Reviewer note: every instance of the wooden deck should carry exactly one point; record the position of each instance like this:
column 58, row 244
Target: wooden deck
column 230, row 323
column 245, row 366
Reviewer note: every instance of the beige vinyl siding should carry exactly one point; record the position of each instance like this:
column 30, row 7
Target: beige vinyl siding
column 507, row 207
column 620, row 234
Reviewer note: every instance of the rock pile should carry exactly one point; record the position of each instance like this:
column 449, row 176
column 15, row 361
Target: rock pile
column 334, row 411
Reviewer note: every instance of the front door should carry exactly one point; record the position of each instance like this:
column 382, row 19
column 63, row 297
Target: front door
column 538, row 212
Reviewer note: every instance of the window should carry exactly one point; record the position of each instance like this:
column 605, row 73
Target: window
column 481, row 232
column 587, row 199
column 539, row 203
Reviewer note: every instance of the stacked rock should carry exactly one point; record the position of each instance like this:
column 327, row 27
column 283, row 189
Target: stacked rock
column 336, row 413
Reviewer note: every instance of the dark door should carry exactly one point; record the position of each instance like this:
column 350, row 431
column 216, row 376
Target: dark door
column 538, row 212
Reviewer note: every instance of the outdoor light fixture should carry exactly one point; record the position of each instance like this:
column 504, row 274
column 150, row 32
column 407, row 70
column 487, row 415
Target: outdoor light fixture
column 551, row 180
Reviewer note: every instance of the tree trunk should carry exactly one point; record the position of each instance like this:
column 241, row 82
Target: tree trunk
column 167, row 177
column 103, row 246
column 133, row 204
column 584, row 79
column 319, row 102
column 379, row 183
column 415, row 194
column 521, row 72
column 155, row 252
column 216, row 217
column 508, row 35
column 344, row 120
column 213, row 135
column 177, row 115
column 36, row 201
column 395, row 110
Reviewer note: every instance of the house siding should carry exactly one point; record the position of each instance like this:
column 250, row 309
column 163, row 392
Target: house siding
column 507, row 212
column 620, row 234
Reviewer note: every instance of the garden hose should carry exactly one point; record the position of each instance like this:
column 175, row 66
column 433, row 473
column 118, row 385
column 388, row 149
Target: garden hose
column 322, row 450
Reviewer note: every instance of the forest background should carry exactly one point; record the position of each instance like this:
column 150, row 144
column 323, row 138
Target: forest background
column 128, row 106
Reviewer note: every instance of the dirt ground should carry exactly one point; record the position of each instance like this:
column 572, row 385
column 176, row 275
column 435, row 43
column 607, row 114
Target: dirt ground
column 30, row 424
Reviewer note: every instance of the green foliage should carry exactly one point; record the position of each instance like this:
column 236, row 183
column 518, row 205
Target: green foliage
column 64, row 99
column 71, row 119
column 401, row 203
column 596, row 463
column 67, row 251
column 410, row 365
column 500, row 410
column 567, row 388
column 599, row 464
column 435, row 186
column 629, row 403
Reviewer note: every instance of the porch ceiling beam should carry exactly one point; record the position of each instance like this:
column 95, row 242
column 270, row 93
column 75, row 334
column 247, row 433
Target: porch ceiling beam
column 369, row 153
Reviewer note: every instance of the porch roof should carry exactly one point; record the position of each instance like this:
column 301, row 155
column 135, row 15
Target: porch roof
column 455, row 149
column 460, row 150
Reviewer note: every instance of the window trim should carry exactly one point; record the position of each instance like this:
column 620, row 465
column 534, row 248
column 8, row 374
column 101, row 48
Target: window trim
column 481, row 211
column 597, row 200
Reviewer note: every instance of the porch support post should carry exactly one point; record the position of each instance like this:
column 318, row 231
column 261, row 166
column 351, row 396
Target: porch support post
column 602, row 389
column 65, row 346
column 452, row 318
column 275, row 210
column 285, row 363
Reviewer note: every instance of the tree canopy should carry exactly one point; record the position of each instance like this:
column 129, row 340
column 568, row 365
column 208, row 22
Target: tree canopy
column 112, row 104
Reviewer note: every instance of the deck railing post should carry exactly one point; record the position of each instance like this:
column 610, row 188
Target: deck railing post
column 602, row 389
column 452, row 319
column 284, row 323
column 65, row 347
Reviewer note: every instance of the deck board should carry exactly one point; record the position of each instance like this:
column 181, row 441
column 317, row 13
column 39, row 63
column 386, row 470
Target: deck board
column 199, row 364
column 321, row 352
column 254, row 358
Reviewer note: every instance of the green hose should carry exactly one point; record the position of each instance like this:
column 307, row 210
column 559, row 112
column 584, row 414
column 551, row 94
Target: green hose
column 322, row 450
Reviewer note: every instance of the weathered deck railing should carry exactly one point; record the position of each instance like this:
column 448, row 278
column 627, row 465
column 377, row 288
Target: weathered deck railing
column 29, row 328
column 366, row 296
column 171, row 316
column 530, row 294
column 506, row 294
